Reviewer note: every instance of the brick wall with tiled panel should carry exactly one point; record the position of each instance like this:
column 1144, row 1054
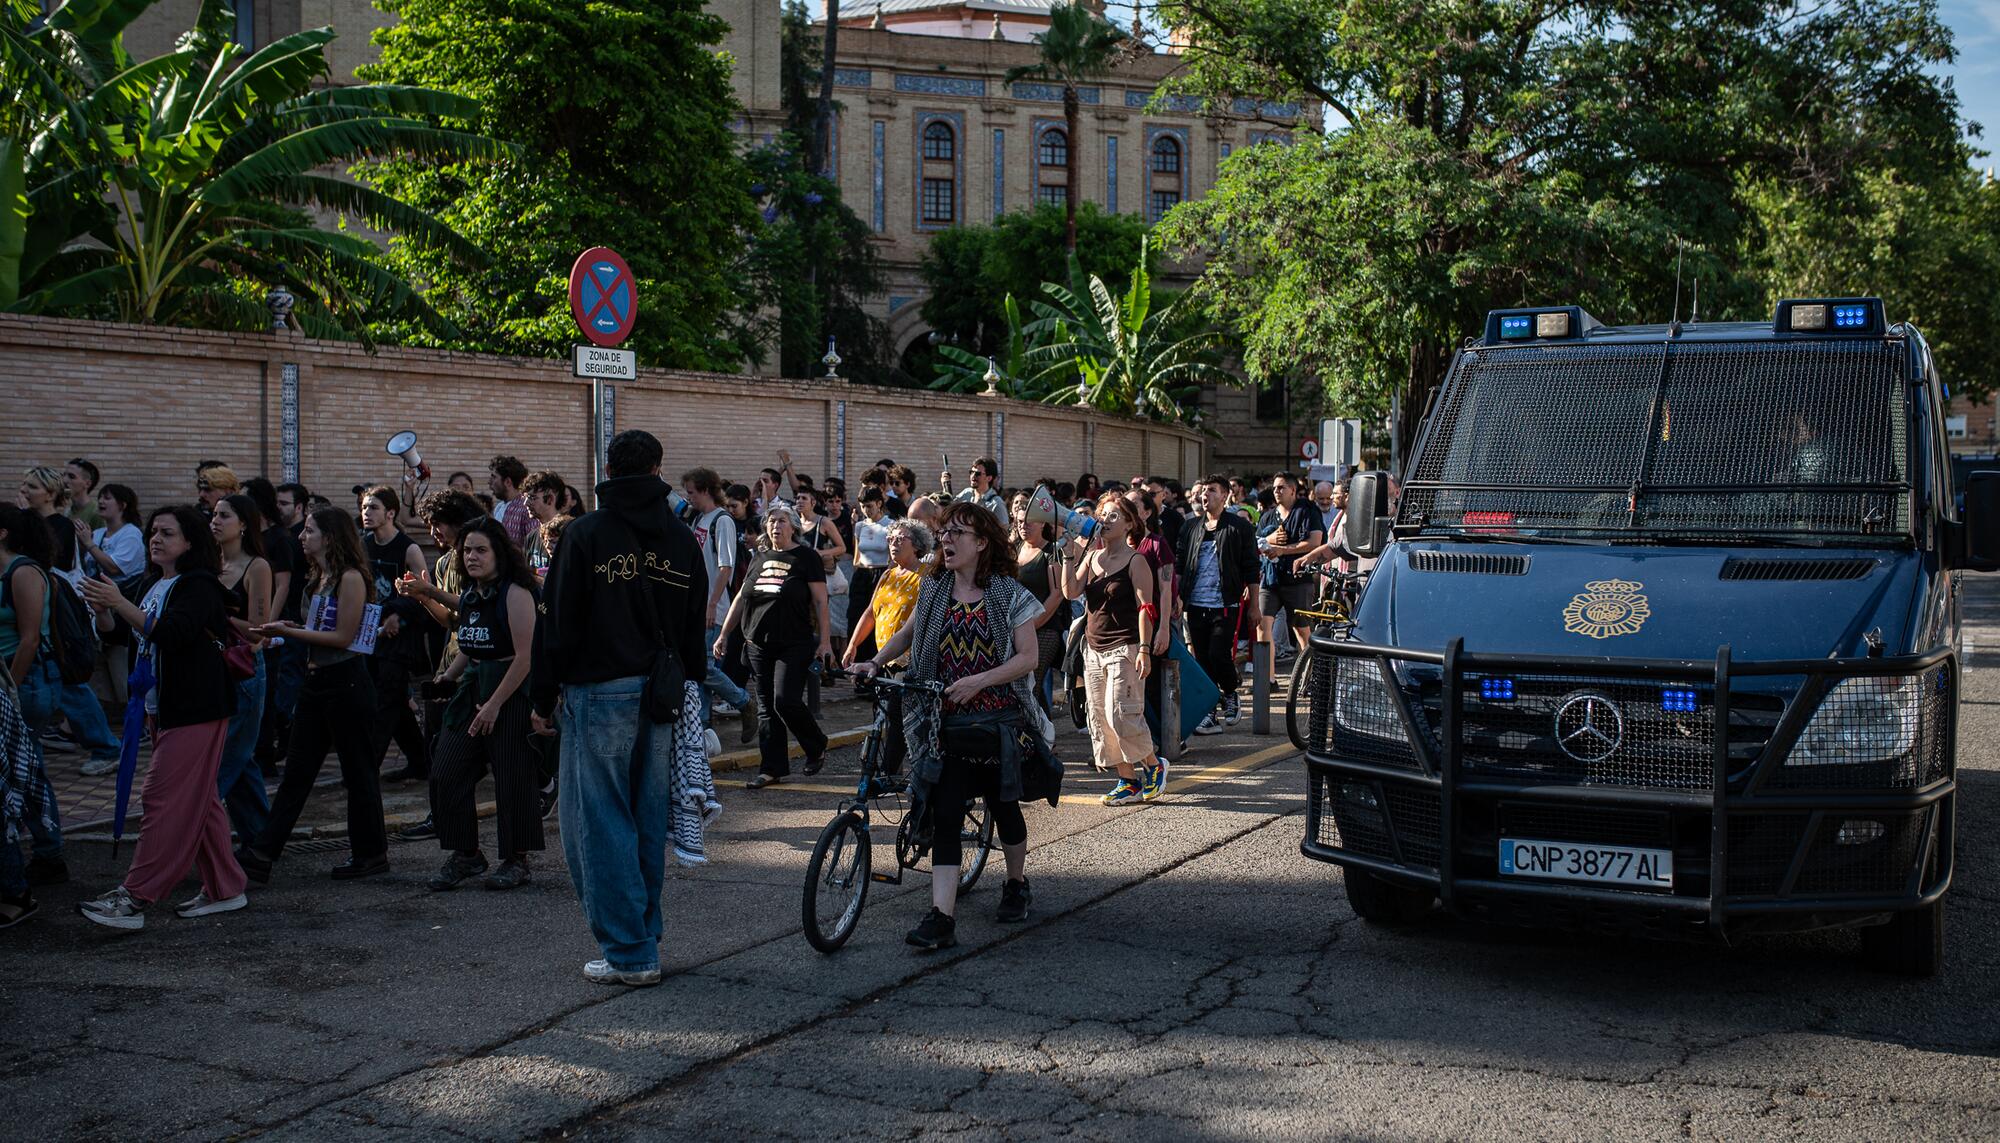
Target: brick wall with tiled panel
column 146, row 402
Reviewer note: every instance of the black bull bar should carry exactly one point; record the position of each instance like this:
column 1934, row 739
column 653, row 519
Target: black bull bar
column 1750, row 798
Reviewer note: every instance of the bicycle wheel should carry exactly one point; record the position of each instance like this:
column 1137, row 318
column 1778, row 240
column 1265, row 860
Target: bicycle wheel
column 1298, row 707
column 836, row 882
column 975, row 839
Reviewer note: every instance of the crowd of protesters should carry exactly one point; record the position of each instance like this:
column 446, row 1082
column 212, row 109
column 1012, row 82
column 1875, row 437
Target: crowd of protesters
column 257, row 628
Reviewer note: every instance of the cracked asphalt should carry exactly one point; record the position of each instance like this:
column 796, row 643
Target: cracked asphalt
column 1185, row 974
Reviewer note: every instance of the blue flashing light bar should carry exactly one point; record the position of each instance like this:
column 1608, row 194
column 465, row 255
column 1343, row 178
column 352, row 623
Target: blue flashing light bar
column 1517, row 327
column 1496, row 690
column 1823, row 316
column 1679, row 700
column 1543, row 324
column 1850, row 317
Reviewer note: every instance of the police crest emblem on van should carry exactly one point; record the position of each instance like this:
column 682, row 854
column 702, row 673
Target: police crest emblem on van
column 1607, row 607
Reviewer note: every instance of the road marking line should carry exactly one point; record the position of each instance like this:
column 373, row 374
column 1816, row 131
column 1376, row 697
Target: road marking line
column 1207, row 775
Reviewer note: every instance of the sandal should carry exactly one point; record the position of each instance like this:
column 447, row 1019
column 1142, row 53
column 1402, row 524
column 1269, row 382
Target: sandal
column 813, row 765
column 761, row 781
column 15, row 910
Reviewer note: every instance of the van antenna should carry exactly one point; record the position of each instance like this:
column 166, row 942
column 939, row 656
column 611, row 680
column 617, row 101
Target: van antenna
column 1677, row 278
column 1694, row 311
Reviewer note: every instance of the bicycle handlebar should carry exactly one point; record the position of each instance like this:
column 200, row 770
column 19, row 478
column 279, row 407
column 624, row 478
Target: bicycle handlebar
column 1334, row 572
column 886, row 683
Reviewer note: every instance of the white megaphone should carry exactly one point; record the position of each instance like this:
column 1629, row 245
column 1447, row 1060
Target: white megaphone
column 1043, row 509
column 403, row 446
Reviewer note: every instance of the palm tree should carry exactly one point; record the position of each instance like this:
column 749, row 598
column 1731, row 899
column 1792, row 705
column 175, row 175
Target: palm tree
column 1123, row 355
column 1078, row 46
column 176, row 189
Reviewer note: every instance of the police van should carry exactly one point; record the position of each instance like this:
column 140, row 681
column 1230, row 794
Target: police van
column 1665, row 641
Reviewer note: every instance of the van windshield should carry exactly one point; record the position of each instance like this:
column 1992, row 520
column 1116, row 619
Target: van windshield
column 1705, row 439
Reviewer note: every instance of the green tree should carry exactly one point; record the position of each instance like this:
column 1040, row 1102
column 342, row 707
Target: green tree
column 1077, row 47
column 812, row 269
column 622, row 112
column 175, row 189
column 1123, row 354
column 1021, row 362
column 970, row 270
column 1518, row 152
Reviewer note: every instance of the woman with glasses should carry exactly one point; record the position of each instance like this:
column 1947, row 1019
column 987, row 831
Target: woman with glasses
column 788, row 628
column 910, row 544
column 973, row 630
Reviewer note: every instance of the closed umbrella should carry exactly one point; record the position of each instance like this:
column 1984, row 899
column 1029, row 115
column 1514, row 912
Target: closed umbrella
column 138, row 685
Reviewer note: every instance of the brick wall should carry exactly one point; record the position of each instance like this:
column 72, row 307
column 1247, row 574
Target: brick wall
column 146, row 402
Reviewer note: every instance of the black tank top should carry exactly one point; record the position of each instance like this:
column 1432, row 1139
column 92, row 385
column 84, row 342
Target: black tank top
column 483, row 633
column 1111, row 609
column 387, row 562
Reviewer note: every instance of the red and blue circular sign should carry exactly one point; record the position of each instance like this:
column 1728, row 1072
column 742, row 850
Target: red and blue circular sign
column 602, row 296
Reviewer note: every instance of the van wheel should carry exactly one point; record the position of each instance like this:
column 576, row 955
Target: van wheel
column 1911, row 944
column 1381, row 902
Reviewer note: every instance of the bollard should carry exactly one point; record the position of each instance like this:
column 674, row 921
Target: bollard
column 1172, row 745
column 1260, row 688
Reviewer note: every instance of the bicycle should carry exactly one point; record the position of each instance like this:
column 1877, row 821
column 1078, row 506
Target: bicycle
column 1333, row 615
column 842, row 864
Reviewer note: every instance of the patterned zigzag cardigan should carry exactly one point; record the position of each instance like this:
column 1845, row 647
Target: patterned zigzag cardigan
column 1005, row 598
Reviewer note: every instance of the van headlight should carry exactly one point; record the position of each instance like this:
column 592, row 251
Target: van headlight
column 1861, row 720
column 1361, row 704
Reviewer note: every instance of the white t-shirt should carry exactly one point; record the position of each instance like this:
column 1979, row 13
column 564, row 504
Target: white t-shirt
column 715, row 532
column 152, row 605
column 126, row 547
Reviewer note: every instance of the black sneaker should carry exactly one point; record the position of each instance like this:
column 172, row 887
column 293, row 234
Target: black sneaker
column 14, row 910
column 422, row 831
column 47, row 871
column 457, row 869
column 355, row 868
column 547, row 799
column 1014, row 899
column 936, row 931
column 512, row 874
column 813, row 765
column 255, row 868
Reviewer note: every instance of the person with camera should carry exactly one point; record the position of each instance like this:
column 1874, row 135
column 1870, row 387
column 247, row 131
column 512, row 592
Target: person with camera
column 619, row 648
column 180, row 621
column 785, row 617
column 336, row 706
column 973, row 630
column 487, row 723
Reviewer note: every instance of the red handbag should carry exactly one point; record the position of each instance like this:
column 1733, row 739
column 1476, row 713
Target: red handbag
column 239, row 658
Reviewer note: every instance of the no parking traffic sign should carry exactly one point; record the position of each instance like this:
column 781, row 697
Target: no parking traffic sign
column 602, row 296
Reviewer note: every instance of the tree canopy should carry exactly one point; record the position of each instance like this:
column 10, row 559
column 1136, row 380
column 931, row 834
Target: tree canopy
column 621, row 110
column 1523, row 152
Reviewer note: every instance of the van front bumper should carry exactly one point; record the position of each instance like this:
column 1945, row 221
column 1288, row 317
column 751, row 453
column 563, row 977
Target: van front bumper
column 1757, row 847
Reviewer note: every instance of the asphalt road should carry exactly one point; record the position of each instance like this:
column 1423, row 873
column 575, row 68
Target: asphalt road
column 1185, row 974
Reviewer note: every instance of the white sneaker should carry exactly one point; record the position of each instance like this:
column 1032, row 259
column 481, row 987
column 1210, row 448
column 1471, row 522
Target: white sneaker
column 1209, row 725
column 601, row 972
column 724, row 710
column 711, row 743
column 98, row 767
column 114, row 910
column 199, row 905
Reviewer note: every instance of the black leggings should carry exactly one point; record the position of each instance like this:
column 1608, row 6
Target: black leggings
column 395, row 719
column 782, row 711
column 959, row 783
column 462, row 760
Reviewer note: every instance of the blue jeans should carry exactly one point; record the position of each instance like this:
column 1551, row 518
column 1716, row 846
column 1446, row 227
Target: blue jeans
column 717, row 682
column 41, row 698
column 76, row 702
column 614, row 779
column 239, row 782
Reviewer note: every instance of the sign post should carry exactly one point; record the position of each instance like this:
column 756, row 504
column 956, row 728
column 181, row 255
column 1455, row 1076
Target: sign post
column 604, row 300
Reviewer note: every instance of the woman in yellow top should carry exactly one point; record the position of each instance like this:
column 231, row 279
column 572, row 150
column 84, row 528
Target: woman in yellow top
column 910, row 548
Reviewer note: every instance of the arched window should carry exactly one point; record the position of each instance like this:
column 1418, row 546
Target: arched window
column 1167, row 155
column 939, row 142
column 1052, row 149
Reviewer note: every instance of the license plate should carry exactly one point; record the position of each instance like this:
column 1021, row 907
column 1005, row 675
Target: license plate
column 1600, row 864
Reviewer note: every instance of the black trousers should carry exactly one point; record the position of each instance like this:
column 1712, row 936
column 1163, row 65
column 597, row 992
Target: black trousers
column 860, row 590
column 336, row 708
column 782, row 712
column 463, row 759
column 958, row 783
column 1211, row 636
column 395, row 718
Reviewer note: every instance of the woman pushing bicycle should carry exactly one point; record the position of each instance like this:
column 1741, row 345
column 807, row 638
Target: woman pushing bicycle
column 973, row 630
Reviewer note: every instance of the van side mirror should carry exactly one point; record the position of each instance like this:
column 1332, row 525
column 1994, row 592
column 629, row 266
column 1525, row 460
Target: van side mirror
column 1980, row 523
column 1368, row 517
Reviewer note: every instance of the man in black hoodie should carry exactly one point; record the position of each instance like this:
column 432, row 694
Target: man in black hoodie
column 625, row 581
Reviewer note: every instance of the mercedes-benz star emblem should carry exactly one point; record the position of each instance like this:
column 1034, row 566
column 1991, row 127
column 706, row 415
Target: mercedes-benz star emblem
column 1589, row 727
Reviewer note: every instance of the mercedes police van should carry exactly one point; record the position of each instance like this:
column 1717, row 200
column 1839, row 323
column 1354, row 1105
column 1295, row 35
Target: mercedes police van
column 1665, row 640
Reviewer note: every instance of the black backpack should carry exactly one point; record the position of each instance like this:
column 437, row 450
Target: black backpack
column 72, row 637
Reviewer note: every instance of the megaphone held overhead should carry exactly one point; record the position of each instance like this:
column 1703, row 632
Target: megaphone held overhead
column 403, row 446
column 1043, row 509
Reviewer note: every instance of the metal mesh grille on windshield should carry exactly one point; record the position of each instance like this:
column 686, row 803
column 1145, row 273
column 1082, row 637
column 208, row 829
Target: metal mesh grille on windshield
column 1789, row 437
